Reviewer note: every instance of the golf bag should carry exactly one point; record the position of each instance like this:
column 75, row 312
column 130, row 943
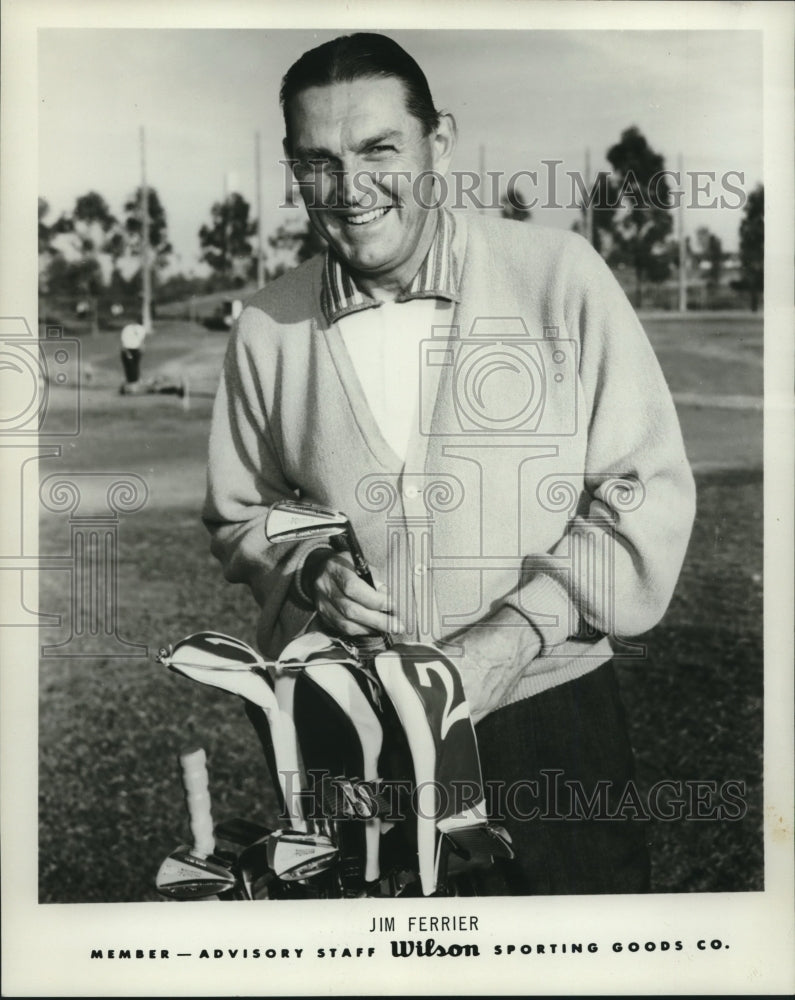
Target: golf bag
column 375, row 765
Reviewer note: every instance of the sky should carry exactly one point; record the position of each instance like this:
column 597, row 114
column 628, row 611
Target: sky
column 202, row 95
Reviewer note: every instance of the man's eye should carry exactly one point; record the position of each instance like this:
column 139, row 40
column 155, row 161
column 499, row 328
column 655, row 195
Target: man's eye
column 314, row 167
column 383, row 149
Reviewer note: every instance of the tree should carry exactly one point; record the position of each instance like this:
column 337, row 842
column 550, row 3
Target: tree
column 752, row 246
column 57, row 276
column 96, row 243
column 290, row 246
column 95, row 227
column 44, row 229
column 225, row 241
column 603, row 197
column 46, row 249
column 160, row 248
column 75, row 279
column 641, row 230
column 710, row 252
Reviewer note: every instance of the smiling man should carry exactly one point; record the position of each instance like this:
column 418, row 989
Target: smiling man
column 366, row 168
column 479, row 397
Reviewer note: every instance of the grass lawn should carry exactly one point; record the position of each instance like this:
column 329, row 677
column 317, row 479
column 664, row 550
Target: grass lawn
column 111, row 728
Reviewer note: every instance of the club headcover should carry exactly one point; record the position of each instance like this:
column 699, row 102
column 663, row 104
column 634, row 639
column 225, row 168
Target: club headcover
column 229, row 664
column 335, row 703
column 428, row 695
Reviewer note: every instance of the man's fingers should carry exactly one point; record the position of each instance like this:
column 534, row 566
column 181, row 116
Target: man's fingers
column 354, row 619
column 347, row 585
column 350, row 605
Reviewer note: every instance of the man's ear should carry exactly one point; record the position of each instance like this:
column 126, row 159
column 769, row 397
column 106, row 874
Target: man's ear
column 444, row 142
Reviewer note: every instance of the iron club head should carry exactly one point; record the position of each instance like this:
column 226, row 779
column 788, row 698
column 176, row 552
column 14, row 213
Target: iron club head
column 291, row 520
column 293, row 855
column 185, row 876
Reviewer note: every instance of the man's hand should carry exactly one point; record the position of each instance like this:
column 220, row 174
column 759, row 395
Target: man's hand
column 343, row 600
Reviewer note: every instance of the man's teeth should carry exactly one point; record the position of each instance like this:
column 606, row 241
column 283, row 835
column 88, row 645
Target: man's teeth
column 365, row 217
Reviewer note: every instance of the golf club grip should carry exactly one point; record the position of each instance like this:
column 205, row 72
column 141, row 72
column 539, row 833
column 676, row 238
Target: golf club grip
column 197, row 798
column 348, row 542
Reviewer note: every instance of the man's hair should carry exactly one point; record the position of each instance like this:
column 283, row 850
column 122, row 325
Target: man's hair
column 362, row 56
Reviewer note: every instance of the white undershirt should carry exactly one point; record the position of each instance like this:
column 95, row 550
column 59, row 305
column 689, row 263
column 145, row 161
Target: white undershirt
column 133, row 336
column 384, row 346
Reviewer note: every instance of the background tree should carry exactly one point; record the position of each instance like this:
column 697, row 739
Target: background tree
column 95, row 226
column 752, row 246
column 640, row 232
column 290, row 246
column 159, row 246
column 78, row 281
column 225, row 242
column 603, row 197
column 46, row 249
column 89, row 244
column 44, row 229
column 710, row 252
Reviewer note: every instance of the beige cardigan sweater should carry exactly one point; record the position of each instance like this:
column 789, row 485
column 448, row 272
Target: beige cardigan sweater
column 546, row 469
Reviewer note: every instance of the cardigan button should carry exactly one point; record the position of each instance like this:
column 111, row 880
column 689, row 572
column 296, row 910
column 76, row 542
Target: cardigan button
column 411, row 492
column 419, row 569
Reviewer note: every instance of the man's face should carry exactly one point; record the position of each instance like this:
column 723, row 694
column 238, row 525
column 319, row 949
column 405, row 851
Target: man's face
column 359, row 152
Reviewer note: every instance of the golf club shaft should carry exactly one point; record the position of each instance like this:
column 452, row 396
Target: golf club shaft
column 348, row 542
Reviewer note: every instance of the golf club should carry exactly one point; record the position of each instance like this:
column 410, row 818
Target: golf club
column 293, row 855
column 190, row 872
column 185, row 876
column 293, row 520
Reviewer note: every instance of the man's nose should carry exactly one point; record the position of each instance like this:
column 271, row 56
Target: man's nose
column 354, row 187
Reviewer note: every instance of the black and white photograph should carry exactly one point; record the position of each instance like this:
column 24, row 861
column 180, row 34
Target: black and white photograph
column 397, row 465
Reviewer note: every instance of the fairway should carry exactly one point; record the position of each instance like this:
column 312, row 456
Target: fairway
column 111, row 728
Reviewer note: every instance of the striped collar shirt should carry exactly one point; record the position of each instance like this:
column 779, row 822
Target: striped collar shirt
column 437, row 278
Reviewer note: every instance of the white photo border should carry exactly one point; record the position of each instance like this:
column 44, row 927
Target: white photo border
column 46, row 948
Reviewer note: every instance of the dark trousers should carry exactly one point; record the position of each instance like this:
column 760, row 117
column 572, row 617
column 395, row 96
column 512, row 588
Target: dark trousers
column 532, row 753
column 131, row 360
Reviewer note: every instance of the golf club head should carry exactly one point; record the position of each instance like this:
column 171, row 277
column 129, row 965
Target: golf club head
column 293, row 855
column 184, row 876
column 291, row 520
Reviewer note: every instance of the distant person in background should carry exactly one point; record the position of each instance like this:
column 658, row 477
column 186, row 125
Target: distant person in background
column 133, row 336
